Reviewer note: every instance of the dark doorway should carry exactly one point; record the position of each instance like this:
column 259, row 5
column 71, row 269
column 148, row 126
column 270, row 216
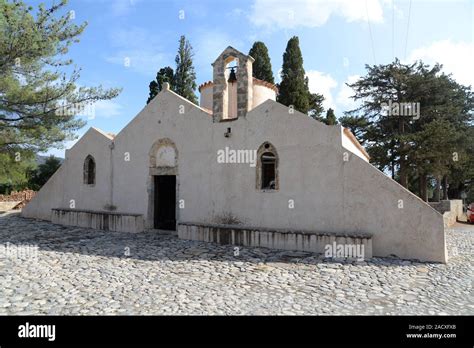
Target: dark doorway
column 165, row 202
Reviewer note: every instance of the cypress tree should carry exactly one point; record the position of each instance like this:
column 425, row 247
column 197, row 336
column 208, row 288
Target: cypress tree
column 185, row 77
column 330, row 117
column 293, row 89
column 262, row 67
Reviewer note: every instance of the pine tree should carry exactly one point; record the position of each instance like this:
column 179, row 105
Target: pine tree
column 432, row 152
column 164, row 75
column 461, row 174
column 293, row 89
column 40, row 97
column 414, row 148
column 358, row 126
column 184, row 81
column 262, row 67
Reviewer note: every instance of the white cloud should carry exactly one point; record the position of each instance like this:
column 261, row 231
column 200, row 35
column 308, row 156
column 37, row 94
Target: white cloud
column 456, row 57
column 312, row 13
column 322, row 83
column 343, row 98
column 107, row 108
column 336, row 96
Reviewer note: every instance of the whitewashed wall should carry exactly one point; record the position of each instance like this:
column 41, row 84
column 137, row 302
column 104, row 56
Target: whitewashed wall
column 329, row 195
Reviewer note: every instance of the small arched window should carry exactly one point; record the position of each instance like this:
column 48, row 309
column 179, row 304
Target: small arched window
column 268, row 171
column 89, row 170
column 267, row 167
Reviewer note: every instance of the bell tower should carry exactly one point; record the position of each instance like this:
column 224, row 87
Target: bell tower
column 233, row 86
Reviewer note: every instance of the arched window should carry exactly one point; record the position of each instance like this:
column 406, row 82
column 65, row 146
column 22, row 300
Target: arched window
column 89, row 170
column 268, row 171
column 267, row 167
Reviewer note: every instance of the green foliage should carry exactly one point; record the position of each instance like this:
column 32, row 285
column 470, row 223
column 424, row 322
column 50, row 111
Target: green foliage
column 14, row 166
column 433, row 147
column 262, row 67
column 293, row 89
column 356, row 124
column 165, row 74
column 331, row 117
column 36, row 82
column 316, row 108
column 39, row 176
column 184, row 81
column 414, row 147
column 461, row 174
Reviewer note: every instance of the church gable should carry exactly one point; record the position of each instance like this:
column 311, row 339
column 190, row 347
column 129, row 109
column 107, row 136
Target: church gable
column 167, row 105
column 93, row 138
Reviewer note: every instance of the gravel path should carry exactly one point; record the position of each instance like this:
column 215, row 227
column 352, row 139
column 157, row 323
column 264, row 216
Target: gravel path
column 70, row 270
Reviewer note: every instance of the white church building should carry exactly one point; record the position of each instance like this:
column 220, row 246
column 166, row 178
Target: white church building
column 239, row 169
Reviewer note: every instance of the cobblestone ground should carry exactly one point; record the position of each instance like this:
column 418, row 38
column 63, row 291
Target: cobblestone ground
column 80, row 271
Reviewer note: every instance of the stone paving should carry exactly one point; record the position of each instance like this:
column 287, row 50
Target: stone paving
column 70, row 270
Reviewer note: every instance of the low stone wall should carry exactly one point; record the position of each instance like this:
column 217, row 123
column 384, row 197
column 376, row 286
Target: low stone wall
column 274, row 239
column 450, row 209
column 441, row 206
column 6, row 206
column 110, row 221
column 15, row 200
column 25, row 195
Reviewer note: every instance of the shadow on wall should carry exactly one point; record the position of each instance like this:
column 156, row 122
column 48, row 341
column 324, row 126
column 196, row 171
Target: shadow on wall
column 149, row 246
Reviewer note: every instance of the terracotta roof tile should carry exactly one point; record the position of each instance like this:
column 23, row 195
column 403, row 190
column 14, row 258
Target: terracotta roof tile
column 356, row 142
column 205, row 84
column 266, row 84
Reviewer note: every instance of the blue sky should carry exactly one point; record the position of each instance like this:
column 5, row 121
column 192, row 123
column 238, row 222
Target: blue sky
column 335, row 40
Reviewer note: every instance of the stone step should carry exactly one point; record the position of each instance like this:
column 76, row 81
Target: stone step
column 316, row 242
column 99, row 220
